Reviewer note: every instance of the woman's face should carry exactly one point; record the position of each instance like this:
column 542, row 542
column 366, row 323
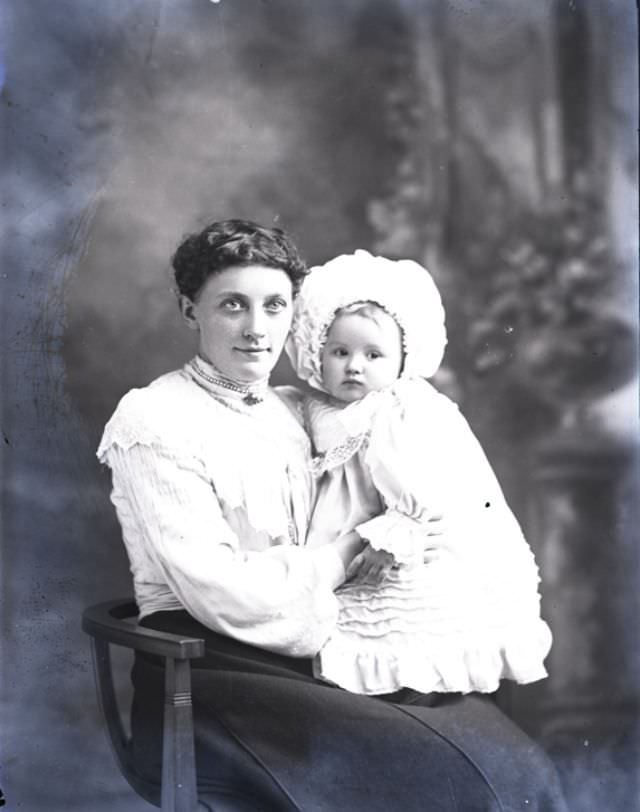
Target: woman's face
column 243, row 316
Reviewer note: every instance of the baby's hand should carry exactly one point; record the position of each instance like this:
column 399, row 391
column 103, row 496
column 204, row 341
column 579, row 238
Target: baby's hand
column 370, row 567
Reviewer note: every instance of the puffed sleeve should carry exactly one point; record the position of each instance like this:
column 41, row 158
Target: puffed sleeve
column 399, row 472
column 280, row 598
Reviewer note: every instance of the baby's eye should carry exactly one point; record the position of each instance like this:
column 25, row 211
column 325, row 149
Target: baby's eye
column 275, row 305
column 233, row 305
column 373, row 355
column 340, row 352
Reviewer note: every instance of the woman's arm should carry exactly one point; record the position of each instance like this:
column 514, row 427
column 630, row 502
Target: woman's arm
column 280, row 599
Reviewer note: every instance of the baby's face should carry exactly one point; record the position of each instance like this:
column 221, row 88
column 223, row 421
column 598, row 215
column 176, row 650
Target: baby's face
column 362, row 354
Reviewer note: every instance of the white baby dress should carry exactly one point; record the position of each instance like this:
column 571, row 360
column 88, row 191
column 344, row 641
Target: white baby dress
column 466, row 617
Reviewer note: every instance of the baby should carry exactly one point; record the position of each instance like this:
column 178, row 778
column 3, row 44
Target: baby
column 452, row 613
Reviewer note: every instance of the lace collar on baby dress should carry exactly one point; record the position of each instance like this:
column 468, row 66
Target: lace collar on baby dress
column 340, row 431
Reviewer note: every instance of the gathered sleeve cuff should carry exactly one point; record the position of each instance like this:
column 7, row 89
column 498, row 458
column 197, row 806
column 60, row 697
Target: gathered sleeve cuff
column 396, row 533
column 280, row 599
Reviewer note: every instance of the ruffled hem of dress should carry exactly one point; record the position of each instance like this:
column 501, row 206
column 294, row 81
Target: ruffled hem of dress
column 442, row 668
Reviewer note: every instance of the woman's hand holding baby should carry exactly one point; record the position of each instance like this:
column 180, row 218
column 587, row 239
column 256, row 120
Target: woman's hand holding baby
column 348, row 546
column 370, row 566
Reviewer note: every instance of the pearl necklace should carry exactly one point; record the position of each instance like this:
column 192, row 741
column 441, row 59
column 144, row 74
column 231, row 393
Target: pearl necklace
column 250, row 398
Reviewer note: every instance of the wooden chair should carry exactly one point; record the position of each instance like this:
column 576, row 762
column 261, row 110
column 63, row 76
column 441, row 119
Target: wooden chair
column 115, row 623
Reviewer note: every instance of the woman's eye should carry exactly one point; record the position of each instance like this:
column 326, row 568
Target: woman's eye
column 232, row 304
column 275, row 306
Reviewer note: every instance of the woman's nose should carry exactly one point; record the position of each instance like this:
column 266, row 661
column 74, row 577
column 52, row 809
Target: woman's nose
column 255, row 326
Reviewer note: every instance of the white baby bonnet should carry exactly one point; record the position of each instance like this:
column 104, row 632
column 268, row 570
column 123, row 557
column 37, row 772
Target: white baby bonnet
column 403, row 288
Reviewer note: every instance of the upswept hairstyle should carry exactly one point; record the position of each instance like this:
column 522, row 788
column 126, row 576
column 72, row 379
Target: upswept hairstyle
column 233, row 243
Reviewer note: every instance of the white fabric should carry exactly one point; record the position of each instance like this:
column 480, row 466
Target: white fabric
column 471, row 615
column 213, row 496
column 402, row 287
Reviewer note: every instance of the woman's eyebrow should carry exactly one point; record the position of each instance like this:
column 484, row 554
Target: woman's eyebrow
column 244, row 297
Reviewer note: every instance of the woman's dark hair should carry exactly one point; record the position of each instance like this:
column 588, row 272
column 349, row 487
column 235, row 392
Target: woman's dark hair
column 233, row 243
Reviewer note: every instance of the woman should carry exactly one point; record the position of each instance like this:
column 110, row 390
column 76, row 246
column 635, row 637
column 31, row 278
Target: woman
column 211, row 485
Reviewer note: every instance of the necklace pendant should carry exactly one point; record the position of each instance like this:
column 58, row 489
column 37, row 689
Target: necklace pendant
column 251, row 399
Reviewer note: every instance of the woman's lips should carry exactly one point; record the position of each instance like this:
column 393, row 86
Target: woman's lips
column 252, row 353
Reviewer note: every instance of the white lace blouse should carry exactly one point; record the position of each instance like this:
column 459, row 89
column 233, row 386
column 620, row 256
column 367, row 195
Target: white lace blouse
column 213, row 496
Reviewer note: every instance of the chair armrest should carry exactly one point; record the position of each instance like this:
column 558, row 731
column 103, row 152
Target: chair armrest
column 114, row 622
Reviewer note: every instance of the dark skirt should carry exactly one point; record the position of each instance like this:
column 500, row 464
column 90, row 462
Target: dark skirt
column 271, row 738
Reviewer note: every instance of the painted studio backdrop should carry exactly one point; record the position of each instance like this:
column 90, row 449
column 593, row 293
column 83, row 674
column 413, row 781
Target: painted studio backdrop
column 492, row 140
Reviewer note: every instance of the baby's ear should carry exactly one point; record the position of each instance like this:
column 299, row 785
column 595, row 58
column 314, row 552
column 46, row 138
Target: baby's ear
column 187, row 308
